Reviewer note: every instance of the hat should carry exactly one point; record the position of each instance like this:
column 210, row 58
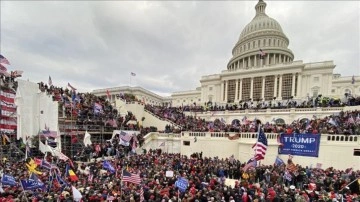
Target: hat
column 292, row 187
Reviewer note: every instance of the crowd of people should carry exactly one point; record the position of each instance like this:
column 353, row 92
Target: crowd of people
column 205, row 179
column 89, row 109
column 347, row 123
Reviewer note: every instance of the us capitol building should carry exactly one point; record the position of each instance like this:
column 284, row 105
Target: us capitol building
column 262, row 68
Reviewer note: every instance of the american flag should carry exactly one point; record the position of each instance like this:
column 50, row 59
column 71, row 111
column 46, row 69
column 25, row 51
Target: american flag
column 3, row 60
column 353, row 80
column 260, row 146
column 17, row 73
column 90, row 177
column 7, row 110
column 129, row 177
column 262, row 54
column 125, row 136
column 72, row 88
column 133, row 74
column 251, row 163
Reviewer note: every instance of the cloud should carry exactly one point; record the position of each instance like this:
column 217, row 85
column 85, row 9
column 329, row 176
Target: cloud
column 169, row 45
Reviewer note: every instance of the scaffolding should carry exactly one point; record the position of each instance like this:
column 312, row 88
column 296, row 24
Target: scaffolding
column 72, row 135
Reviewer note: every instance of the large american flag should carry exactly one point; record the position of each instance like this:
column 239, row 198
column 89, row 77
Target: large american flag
column 129, row 177
column 8, row 121
column 260, row 146
column 3, row 60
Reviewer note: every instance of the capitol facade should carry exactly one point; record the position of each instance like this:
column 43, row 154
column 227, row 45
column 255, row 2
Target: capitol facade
column 262, row 68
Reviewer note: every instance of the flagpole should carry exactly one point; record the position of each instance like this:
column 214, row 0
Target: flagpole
column 23, row 191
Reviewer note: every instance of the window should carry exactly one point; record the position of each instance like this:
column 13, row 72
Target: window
column 315, row 92
column 186, row 143
column 316, row 79
column 332, row 90
column 210, row 88
column 356, row 152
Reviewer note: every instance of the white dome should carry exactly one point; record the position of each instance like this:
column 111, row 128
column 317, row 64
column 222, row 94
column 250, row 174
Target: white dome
column 263, row 34
column 261, row 23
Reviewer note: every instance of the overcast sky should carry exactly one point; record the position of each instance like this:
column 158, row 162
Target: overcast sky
column 169, row 45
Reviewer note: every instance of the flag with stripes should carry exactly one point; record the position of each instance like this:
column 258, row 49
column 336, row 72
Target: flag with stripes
column 251, row 163
column 130, row 177
column 17, row 73
column 132, row 74
column 8, row 122
column 72, row 88
column 3, row 60
column 90, row 177
column 262, row 54
column 260, row 146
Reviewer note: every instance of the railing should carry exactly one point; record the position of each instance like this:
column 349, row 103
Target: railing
column 162, row 119
column 270, row 136
column 272, row 110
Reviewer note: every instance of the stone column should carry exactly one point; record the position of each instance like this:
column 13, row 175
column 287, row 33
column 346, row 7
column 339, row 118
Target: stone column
column 222, row 91
column 251, row 87
column 280, row 87
column 255, row 61
column 226, row 91
column 243, row 64
column 275, row 85
column 238, row 64
column 263, row 88
column 268, row 59
column 240, row 92
column 298, row 92
column 236, row 89
column 293, row 85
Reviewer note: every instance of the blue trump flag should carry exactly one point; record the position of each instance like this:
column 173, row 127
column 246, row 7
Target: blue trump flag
column 8, row 180
column 182, row 184
column 300, row 144
column 108, row 166
column 279, row 161
column 31, row 184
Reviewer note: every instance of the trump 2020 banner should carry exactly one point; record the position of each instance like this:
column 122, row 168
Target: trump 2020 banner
column 300, row 144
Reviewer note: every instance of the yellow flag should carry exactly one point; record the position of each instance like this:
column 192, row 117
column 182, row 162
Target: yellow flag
column 32, row 167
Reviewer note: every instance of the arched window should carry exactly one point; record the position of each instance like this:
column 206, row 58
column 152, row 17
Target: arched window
column 279, row 121
column 348, row 91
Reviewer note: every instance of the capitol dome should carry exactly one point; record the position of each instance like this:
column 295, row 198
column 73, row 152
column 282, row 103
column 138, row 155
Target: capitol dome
column 261, row 43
